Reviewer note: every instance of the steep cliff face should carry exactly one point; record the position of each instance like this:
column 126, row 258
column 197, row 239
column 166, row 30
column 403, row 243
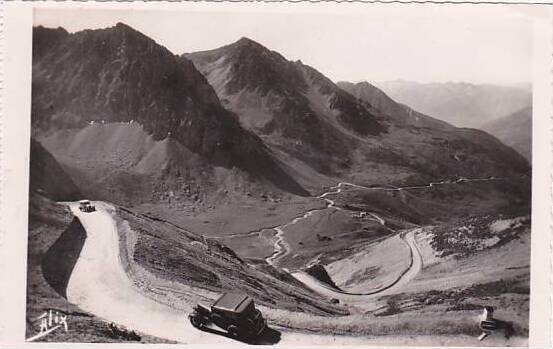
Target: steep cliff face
column 118, row 75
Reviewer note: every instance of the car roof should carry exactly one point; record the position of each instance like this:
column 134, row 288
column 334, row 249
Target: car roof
column 235, row 302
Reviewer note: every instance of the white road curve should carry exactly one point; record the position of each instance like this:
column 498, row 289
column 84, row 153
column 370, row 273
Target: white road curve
column 357, row 298
column 100, row 285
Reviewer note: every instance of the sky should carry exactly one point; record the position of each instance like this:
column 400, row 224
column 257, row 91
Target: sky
column 424, row 43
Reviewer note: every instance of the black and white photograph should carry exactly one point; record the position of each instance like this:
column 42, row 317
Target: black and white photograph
column 354, row 177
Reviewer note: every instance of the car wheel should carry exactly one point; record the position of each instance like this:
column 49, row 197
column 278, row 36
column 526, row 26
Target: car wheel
column 233, row 331
column 196, row 322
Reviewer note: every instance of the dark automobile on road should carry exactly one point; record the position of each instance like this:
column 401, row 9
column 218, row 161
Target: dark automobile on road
column 234, row 313
column 86, row 206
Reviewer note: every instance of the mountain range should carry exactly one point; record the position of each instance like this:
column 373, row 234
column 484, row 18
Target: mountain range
column 131, row 122
column 378, row 140
column 461, row 104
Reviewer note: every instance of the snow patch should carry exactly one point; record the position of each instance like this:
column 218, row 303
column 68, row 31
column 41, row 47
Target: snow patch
column 489, row 242
column 501, row 225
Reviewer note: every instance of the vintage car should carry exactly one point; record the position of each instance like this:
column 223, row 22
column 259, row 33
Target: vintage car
column 85, row 206
column 234, row 313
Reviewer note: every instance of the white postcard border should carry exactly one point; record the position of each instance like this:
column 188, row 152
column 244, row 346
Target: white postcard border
column 15, row 143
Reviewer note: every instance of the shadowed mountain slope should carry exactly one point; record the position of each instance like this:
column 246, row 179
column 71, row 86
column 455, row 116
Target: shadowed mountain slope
column 515, row 130
column 48, row 177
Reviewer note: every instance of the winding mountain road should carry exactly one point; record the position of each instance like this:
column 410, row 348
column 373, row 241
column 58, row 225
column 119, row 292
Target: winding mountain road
column 100, row 286
column 429, row 185
column 282, row 248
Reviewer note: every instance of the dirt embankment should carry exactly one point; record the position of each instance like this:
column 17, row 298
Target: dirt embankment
column 319, row 272
column 58, row 262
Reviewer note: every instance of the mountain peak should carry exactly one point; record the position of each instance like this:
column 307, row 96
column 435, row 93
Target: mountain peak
column 248, row 44
column 58, row 30
column 125, row 27
column 364, row 84
column 247, row 41
column 44, row 39
column 125, row 30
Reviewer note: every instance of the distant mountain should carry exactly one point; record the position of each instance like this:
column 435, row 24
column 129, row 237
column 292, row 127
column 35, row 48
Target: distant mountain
column 304, row 115
column 112, row 105
column 461, row 104
column 515, row 130
column 48, row 178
